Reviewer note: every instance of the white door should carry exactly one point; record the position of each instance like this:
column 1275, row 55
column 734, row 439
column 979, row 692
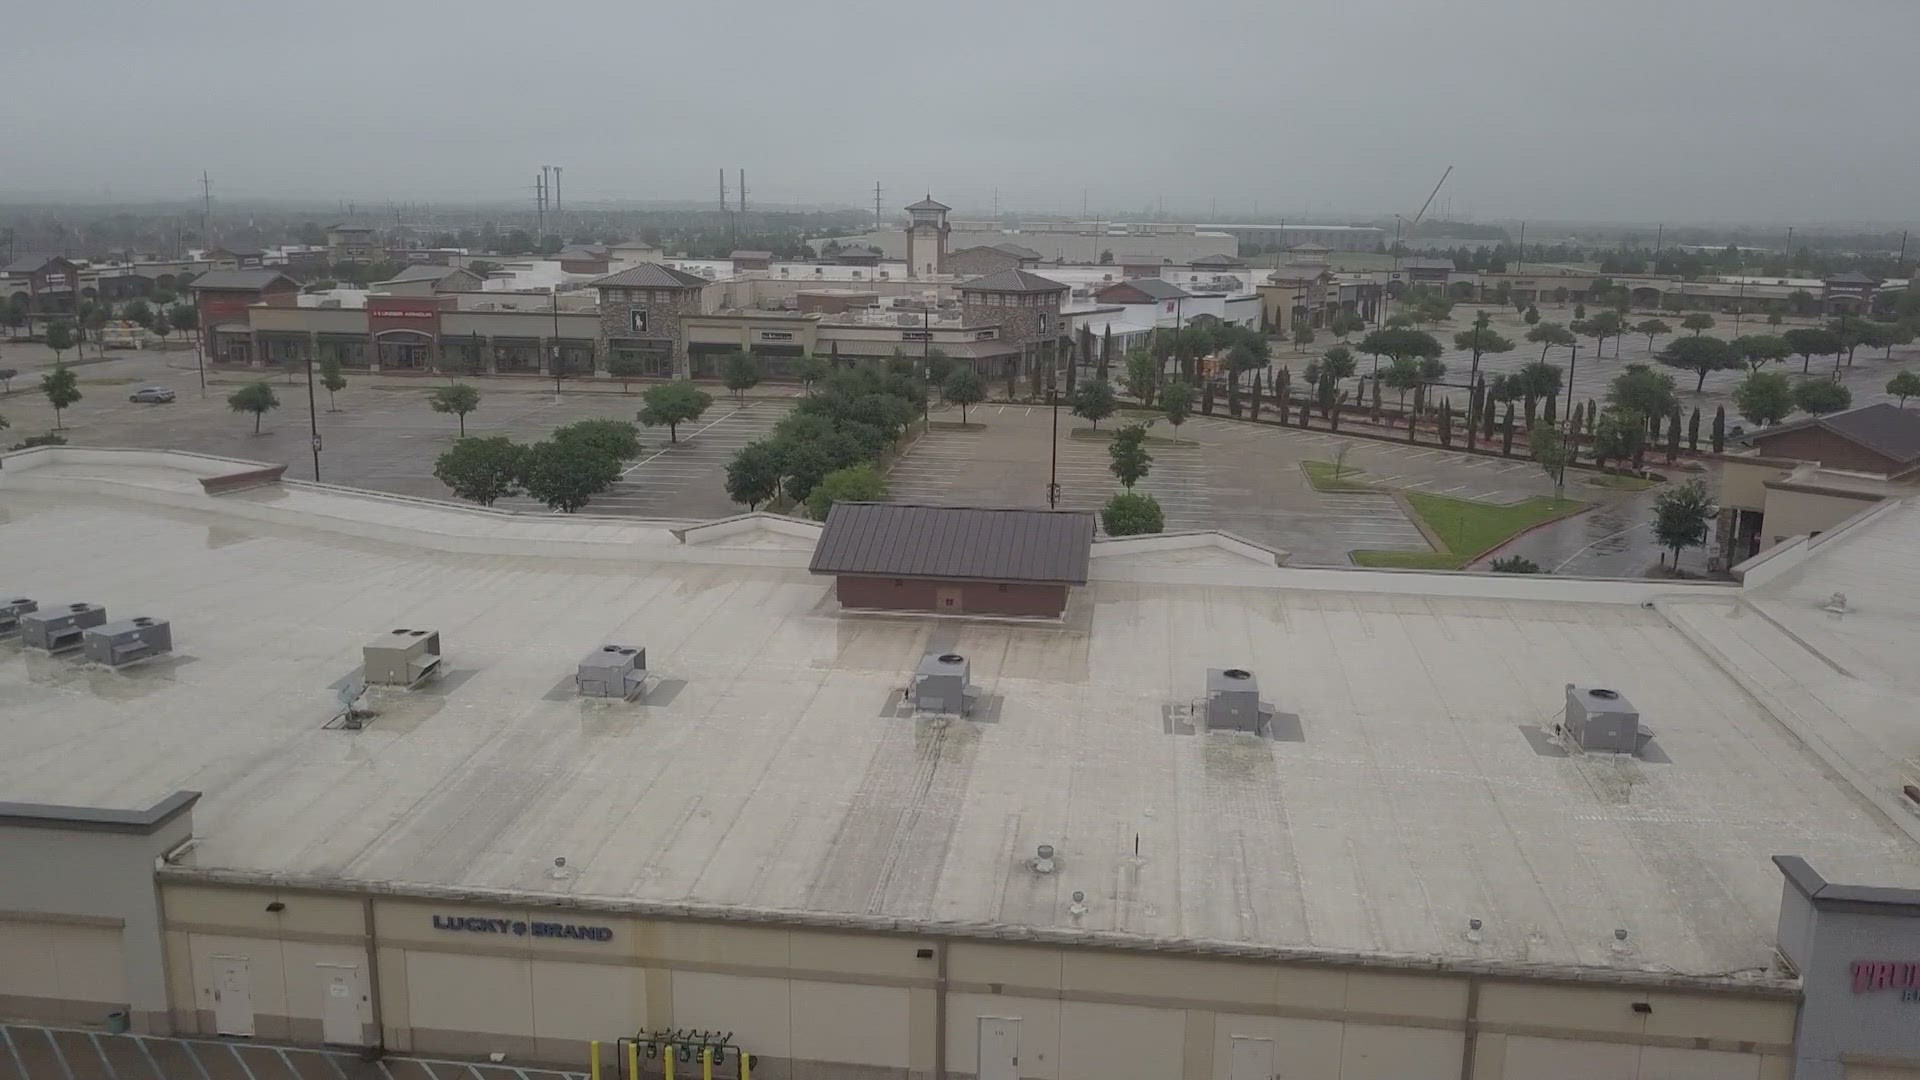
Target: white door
column 1252, row 1059
column 999, row 1048
column 232, row 996
column 340, row 1004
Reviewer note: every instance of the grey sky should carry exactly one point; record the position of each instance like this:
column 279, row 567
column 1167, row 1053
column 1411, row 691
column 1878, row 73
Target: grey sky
column 1632, row 109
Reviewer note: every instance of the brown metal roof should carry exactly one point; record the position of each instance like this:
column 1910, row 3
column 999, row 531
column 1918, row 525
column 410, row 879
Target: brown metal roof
column 955, row 543
column 242, row 280
column 1885, row 429
column 651, row 276
column 1012, row 281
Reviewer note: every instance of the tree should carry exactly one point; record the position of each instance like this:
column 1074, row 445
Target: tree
column 1176, row 403
column 139, row 313
column 1799, row 300
column 7, row 376
column 937, row 365
column 753, row 476
column 1401, row 376
column 1302, row 336
column 1506, row 432
column 61, row 386
column 1693, row 429
column 1553, row 453
column 1536, row 380
column 1130, row 459
column 855, row 483
column 1697, row 322
column 565, row 474
column 1549, row 334
column 1885, row 335
column 1811, row 341
column 1719, row 437
column 1681, row 515
column 1618, row 436
column 964, row 388
column 1774, row 319
column 1129, row 514
column 332, row 381
column 1652, row 328
column 94, row 317
column 1532, row 316
column 673, row 404
column 1764, row 397
column 1903, row 386
column 1640, row 390
column 458, row 399
column 482, row 470
column 617, row 439
column 1142, row 376
column 1514, row 564
column 1817, row 397
column 1757, row 349
column 626, row 367
column 1673, row 436
column 1604, row 325
column 1093, row 400
column 59, row 337
column 811, row 371
column 1699, row 355
column 740, row 373
column 257, row 398
column 1399, row 344
column 1479, row 340
column 184, row 317
column 1338, row 363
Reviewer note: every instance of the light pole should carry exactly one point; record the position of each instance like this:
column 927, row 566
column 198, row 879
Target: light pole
column 1573, row 358
column 1053, row 466
column 313, row 420
column 555, row 361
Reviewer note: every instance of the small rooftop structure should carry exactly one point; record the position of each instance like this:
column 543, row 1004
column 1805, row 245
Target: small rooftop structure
column 954, row 559
column 650, row 276
column 1217, row 262
column 1881, row 438
column 1148, row 289
column 243, row 281
column 1013, row 281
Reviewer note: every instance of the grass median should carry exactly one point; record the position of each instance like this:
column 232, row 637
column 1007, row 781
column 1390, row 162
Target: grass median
column 1468, row 529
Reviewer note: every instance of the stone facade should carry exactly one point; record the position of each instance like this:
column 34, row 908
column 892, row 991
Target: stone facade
column 660, row 328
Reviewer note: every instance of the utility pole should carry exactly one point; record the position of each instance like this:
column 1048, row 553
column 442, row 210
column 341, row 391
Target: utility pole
column 206, row 211
column 540, row 208
column 723, row 190
column 996, row 205
column 313, row 420
column 876, row 205
column 1522, row 256
column 556, row 189
column 743, row 191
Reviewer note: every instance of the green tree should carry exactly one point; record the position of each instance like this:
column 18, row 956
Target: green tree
column 1302, row 336
column 1818, row 397
column 331, row 380
column 812, row 371
column 1719, row 437
column 1604, row 325
column 618, row 439
column 753, row 476
column 257, row 398
column 1142, row 377
column 1514, row 564
column 139, row 313
column 1652, row 328
column 1128, row 451
column 458, row 399
column 1774, row 319
column 59, row 337
column 1697, row 322
column 94, row 317
column 965, row 388
column 1885, row 335
column 1903, row 386
column 1532, row 315
column 672, row 404
column 1338, row 363
column 936, row 367
column 626, row 367
column 1681, row 516
column 1131, row 514
column 1618, row 436
column 1176, row 403
column 1548, row 335
column 1640, row 390
column 740, row 373
column 61, row 386
column 1812, row 341
column 184, row 317
column 565, row 474
column 1093, row 400
column 7, row 375
column 482, row 470
column 1700, row 355
column 1764, row 397
column 1396, row 344
column 1553, row 453
column 855, row 483
column 1755, row 350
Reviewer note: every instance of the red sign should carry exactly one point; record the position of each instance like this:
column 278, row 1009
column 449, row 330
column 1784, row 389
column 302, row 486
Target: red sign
column 1872, row 975
column 405, row 313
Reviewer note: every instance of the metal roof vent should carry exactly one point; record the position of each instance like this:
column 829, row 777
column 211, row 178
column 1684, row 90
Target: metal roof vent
column 612, row 671
column 61, row 627
column 940, row 685
column 117, row 644
column 1233, row 701
column 10, row 612
column 1042, row 861
column 1601, row 719
column 402, row 657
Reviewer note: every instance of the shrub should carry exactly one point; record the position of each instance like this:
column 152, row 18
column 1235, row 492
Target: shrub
column 1514, row 564
column 1131, row 514
column 618, row 439
column 856, row 483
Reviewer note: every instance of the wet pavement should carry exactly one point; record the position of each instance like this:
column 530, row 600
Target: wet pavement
column 1611, row 540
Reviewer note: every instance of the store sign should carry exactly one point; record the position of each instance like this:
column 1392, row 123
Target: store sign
column 637, row 321
column 916, row 335
column 986, row 335
column 1877, row 976
column 776, row 335
column 404, row 313
column 517, row 928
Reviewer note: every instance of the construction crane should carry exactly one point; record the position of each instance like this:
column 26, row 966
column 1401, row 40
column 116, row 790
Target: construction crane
column 1423, row 206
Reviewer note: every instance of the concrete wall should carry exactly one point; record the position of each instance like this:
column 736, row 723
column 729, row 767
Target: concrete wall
column 975, row 598
column 1792, row 513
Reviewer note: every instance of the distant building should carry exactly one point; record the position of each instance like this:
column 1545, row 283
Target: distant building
column 751, row 260
column 354, row 243
column 983, row 259
column 953, row 560
column 1882, row 438
column 927, row 238
column 585, row 259
column 49, row 284
column 641, row 313
column 426, row 279
column 1147, row 265
column 636, row 250
column 1025, row 306
column 1217, row 262
column 858, row 255
column 222, row 298
column 235, row 257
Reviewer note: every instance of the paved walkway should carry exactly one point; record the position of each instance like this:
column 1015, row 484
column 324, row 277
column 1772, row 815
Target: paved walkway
column 29, row 1052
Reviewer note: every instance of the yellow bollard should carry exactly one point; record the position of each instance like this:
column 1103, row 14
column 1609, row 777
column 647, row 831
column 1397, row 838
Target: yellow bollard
column 746, row 1066
column 593, row 1058
column 633, row 1061
column 706, row 1063
column 667, row 1057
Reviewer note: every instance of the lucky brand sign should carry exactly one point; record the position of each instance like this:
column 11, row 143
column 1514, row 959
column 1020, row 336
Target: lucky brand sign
column 1875, row 976
column 521, row 928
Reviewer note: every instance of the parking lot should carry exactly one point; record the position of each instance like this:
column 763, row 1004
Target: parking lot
column 41, row 1053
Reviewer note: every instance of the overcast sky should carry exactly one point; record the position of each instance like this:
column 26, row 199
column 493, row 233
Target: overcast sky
column 1674, row 110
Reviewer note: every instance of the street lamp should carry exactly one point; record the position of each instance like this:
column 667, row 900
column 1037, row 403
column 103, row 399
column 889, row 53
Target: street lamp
column 313, row 420
column 1573, row 358
column 1053, row 466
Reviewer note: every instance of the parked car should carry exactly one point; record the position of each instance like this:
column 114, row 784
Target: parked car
column 157, row 395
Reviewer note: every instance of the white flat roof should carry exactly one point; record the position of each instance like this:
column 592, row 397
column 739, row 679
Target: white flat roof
column 771, row 775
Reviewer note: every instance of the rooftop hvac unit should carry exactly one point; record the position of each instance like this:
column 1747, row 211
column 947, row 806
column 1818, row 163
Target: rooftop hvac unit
column 1233, row 700
column 59, row 628
column 940, row 684
column 11, row 610
column 402, row 657
column 906, row 320
column 612, row 671
column 125, row 641
column 1601, row 719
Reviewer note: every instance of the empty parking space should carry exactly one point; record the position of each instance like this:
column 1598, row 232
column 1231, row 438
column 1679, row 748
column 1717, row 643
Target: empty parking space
column 30, row 1052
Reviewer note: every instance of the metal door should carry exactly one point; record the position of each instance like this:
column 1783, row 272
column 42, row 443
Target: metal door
column 232, row 996
column 999, row 1048
column 1252, row 1059
column 947, row 599
column 340, row 1004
